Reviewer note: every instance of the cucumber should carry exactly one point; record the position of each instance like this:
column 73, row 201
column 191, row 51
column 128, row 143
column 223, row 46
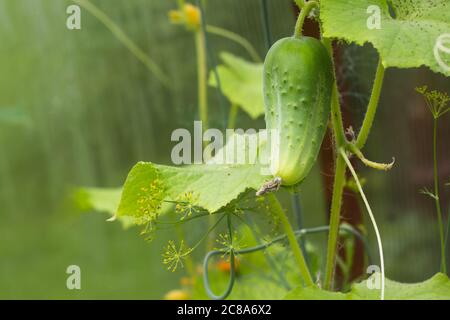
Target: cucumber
column 298, row 80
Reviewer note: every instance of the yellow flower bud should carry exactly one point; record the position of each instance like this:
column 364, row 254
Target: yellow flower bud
column 192, row 15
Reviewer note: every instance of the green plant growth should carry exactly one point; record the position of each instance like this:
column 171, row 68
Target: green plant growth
column 437, row 103
column 301, row 97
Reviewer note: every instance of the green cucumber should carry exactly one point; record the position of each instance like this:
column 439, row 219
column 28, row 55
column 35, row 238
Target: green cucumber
column 298, row 80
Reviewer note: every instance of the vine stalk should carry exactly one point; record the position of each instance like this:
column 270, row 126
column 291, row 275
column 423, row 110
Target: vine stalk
column 341, row 143
column 339, row 176
column 371, row 107
column 298, row 255
column 336, row 202
column 305, row 10
column 202, row 70
column 436, row 199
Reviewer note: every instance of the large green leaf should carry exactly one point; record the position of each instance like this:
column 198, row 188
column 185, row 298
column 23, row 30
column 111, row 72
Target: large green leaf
column 151, row 188
column 212, row 186
column 406, row 40
column 435, row 288
column 241, row 82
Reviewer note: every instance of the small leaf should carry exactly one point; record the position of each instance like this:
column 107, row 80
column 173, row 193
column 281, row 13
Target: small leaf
column 102, row 200
column 241, row 82
column 407, row 40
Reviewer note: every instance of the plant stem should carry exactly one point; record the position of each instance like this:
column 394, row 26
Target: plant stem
column 302, row 16
column 232, row 116
column 335, row 215
column 209, row 255
column 201, row 75
column 447, row 232
column 372, row 218
column 436, row 198
column 189, row 261
column 298, row 255
column 336, row 115
column 296, row 207
column 371, row 107
column 236, row 38
column 125, row 40
column 266, row 24
column 339, row 178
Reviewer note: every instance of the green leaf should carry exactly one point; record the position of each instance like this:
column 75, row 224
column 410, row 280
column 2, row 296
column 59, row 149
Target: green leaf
column 435, row 288
column 213, row 186
column 151, row 189
column 241, row 82
column 102, row 200
column 406, row 41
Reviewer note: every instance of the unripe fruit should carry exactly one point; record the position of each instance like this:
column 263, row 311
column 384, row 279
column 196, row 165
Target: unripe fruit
column 298, row 80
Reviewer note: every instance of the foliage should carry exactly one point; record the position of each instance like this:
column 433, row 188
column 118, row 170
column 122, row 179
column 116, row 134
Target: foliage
column 240, row 82
column 101, row 200
column 435, row 288
column 214, row 186
column 408, row 33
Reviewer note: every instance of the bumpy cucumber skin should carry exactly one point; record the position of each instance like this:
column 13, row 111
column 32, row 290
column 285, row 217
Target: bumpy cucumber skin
column 298, row 80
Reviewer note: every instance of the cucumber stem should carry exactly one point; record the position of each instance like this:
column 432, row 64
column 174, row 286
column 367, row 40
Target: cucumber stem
column 298, row 255
column 371, row 107
column 335, row 215
column 302, row 16
column 336, row 114
column 339, row 175
column 300, row 3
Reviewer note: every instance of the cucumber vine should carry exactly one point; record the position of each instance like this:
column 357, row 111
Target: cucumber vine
column 342, row 144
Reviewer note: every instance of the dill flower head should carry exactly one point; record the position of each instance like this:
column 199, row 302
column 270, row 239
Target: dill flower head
column 437, row 102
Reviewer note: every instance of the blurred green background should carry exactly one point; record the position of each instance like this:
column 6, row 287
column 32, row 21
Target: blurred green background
column 78, row 109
